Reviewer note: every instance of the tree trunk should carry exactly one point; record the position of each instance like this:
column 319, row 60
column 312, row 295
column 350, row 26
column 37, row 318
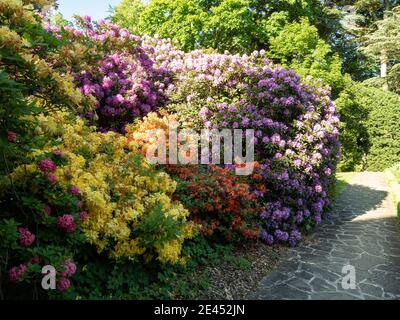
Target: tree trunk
column 383, row 57
column 384, row 66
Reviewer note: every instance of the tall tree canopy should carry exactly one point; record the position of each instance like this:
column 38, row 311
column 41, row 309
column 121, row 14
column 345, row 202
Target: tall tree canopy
column 242, row 25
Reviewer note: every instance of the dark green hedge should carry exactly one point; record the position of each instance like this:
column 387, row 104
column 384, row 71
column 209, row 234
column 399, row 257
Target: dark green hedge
column 370, row 129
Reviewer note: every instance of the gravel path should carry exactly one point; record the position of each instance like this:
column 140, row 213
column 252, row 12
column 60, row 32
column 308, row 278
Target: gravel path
column 363, row 235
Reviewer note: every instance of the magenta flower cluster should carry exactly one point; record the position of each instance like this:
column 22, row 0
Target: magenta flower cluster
column 26, row 238
column 63, row 284
column 47, row 166
column 66, row 223
column 75, row 191
column 83, row 216
column 15, row 274
column 47, row 210
column 11, row 136
column 68, row 270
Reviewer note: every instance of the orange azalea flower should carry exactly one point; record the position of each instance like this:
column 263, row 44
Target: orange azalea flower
column 261, row 188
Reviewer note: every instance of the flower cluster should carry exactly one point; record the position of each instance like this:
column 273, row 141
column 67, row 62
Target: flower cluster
column 26, row 238
column 144, row 134
column 66, row 223
column 63, row 284
column 15, row 274
column 46, row 166
column 11, row 136
column 69, row 269
column 219, row 201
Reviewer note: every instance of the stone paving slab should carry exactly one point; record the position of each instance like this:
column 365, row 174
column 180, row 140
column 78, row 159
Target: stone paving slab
column 363, row 233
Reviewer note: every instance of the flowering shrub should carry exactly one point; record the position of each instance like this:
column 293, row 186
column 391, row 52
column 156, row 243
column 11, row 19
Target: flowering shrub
column 218, row 200
column 28, row 83
column 29, row 206
column 99, row 193
column 30, row 232
column 296, row 128
column 109, row 65
column 125, row 201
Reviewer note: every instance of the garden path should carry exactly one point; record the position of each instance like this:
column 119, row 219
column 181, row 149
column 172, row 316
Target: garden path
column 363, row 233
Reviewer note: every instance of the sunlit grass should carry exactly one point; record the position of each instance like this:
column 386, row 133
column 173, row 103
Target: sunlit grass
column 343, row 180
column 393, row 175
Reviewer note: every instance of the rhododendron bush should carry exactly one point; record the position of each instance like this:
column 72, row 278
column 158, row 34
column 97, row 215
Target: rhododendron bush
column 109, row 65
column 296, row 127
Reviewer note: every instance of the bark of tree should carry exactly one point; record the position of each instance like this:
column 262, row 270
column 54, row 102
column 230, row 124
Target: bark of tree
column 384, row 65
column 383, row 57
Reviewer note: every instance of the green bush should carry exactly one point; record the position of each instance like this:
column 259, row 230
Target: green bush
column 370, row 133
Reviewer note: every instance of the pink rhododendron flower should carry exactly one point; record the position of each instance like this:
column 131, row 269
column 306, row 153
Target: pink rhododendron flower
column 83, row 216
column 69, row 268
column 47, row 166
column 87, row 19
column 52, row 178
column 63, row 284
column 66, row 223
column 16, row 273
column 74, row 190
column 11, row 136
column 318, row 188
column 26, row 238
column 47, row 210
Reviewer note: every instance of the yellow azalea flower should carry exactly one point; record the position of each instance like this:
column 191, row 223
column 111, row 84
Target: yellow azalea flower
column 22, row 171
column 128, row 249
column 10, row 39
column 169, row 252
